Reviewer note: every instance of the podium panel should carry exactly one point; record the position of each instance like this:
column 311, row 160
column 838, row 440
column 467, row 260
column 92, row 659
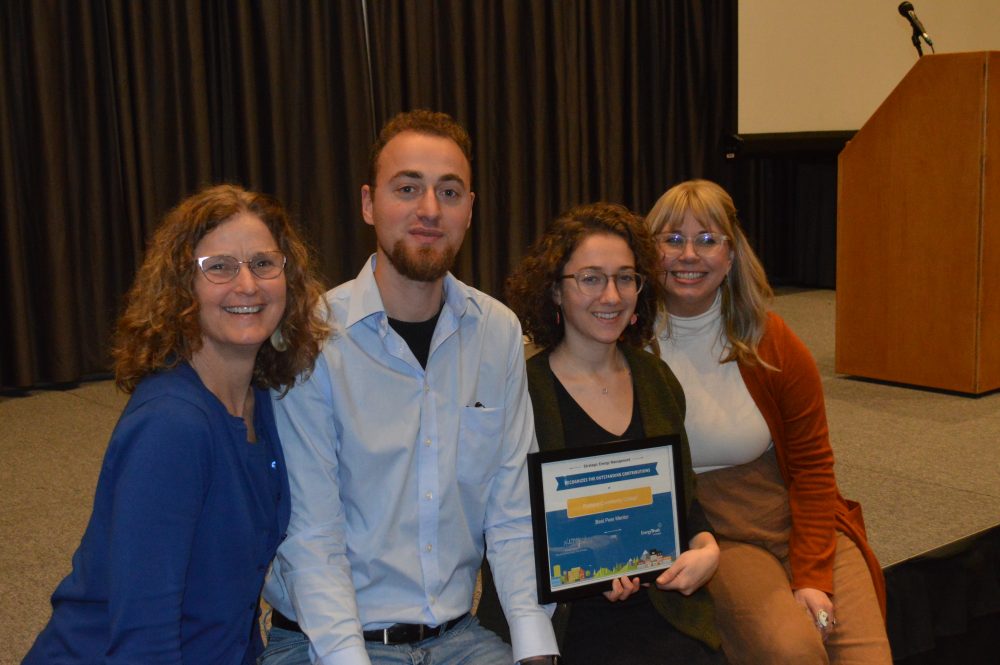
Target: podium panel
column 918, row 231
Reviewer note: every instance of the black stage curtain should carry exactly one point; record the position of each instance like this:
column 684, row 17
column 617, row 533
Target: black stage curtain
column 788, row 206
column 566, row 102
column 944, row 607
column 111, row 111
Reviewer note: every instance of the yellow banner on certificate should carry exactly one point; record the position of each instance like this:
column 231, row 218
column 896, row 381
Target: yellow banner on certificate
column 605, row 503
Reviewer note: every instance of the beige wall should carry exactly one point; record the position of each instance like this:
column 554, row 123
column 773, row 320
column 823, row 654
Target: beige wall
column 824, row 65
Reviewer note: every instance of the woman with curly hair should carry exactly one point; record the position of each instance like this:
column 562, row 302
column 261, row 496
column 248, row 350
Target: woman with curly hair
column 587, row 295
column 192, row 498
column 797, row 581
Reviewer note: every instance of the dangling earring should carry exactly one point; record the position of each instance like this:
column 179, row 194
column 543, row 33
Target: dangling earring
column 635, row 317
column 278, row 341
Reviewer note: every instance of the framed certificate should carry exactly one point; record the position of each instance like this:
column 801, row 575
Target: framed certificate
column 605, row 511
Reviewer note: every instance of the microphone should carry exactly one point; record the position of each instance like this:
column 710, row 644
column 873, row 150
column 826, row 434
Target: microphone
column 906, row 10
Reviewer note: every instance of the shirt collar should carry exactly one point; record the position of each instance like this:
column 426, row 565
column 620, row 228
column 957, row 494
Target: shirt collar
column 367, row 301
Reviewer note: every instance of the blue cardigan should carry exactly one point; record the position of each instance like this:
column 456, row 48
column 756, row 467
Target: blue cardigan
column 187, row 516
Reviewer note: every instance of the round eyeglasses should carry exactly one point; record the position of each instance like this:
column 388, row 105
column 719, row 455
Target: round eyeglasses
column 705, row 244
column 221, row 269
column 593, row 282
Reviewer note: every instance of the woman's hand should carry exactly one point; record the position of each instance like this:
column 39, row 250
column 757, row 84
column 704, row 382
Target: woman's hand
column 693, row 568
column 621, row 588
column 819, row 607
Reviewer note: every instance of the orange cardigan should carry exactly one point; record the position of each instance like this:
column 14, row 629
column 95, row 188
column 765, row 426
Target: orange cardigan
column 791, row 401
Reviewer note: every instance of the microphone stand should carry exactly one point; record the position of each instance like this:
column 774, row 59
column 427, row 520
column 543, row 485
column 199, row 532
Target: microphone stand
column 916, row 42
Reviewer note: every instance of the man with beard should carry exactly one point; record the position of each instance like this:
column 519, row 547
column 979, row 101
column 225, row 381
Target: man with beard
column 406, row 447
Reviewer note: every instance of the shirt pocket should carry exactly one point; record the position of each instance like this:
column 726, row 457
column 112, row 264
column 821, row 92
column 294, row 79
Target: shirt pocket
column 480, row 437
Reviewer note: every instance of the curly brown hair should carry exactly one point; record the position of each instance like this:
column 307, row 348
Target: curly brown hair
column 529, row 289
column 159, row 326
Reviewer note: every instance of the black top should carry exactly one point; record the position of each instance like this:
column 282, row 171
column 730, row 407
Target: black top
column 581, row 430
column 417, row 335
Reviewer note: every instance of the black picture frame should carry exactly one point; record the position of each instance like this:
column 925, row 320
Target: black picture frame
column 629, row 494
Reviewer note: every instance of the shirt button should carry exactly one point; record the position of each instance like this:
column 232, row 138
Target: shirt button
column 429, row 496
column 427, row 441
column 427, row 388
column 429, row 548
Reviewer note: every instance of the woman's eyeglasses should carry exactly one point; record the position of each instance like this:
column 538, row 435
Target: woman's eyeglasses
column 705, row 244
column 593, row 282
column 221, row 269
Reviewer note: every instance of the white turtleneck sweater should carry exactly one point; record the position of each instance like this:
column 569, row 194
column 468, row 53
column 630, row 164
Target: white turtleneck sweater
column 724, row 425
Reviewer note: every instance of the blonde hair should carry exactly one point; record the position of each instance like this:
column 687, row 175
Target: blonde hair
column 745, row 291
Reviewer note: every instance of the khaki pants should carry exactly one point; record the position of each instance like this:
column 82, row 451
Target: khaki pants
column 759, row 620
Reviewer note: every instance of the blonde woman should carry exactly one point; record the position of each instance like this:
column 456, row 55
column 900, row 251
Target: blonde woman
column 797, row 581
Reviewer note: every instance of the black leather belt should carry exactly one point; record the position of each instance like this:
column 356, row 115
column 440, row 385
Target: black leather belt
column 279, row 620
column 400, row 633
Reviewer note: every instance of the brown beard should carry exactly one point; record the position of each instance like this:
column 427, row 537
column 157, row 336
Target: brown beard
column 423, row 264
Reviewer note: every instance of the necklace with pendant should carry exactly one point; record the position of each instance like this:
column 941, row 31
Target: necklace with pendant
column 604, row 389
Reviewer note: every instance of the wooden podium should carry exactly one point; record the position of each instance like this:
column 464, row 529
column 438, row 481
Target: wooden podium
column 918, row 231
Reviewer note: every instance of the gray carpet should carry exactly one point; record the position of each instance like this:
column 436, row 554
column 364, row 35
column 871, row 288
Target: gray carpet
column 925, row 465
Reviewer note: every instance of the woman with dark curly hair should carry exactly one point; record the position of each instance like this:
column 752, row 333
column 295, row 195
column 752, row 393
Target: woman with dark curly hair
column 587, row 294
column 192, row 499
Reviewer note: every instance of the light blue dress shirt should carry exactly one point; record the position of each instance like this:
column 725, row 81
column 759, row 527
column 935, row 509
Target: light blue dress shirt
column 400, row 476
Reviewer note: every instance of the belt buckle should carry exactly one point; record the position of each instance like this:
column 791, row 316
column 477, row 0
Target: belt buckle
column 405, row 637
column 408, row 633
